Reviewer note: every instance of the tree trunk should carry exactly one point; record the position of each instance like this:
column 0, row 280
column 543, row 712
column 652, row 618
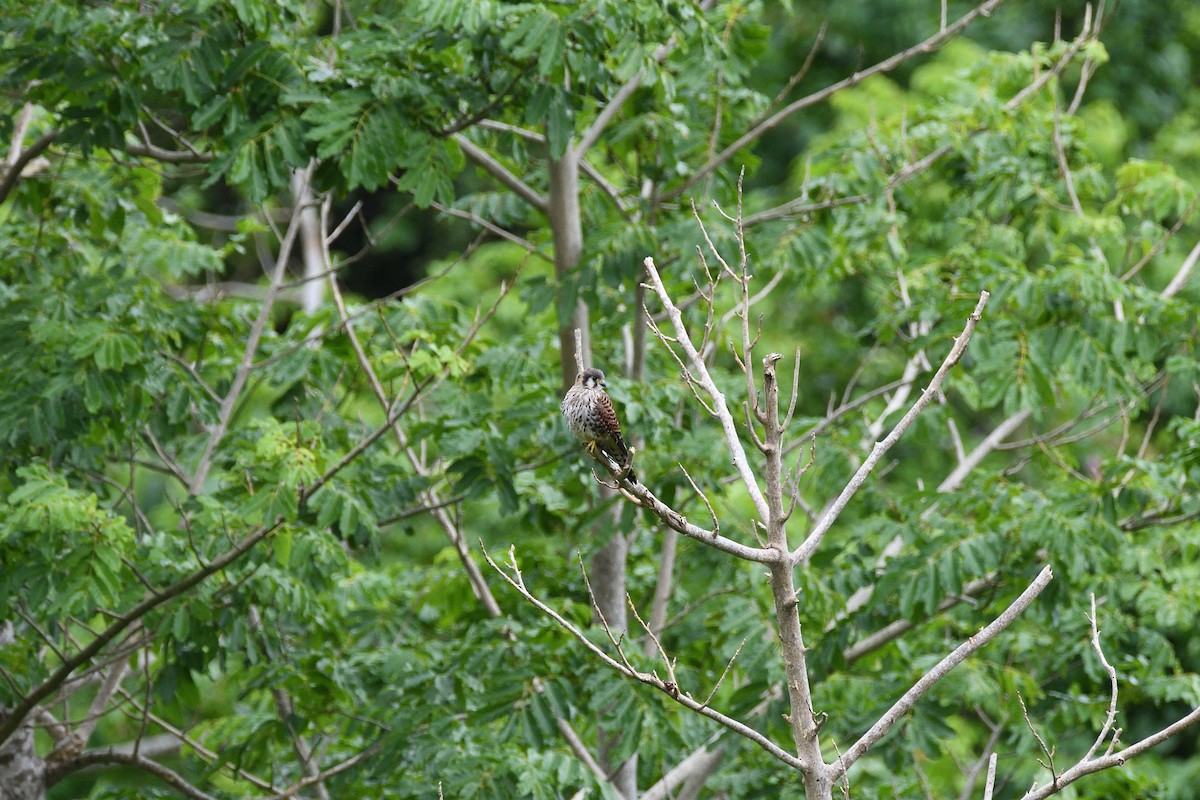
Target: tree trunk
column 22, row 772
column 608, row 564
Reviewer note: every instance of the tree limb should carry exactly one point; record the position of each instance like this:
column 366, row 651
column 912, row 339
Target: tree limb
column 12, row 173
column 705, row 380
column 1113, row 759
column 804, row 552
column 111, row 756
column 697, row 766
column 888, row 64
column 225, row 413
column 943, row 667
column 674, row 692
column 501, row 173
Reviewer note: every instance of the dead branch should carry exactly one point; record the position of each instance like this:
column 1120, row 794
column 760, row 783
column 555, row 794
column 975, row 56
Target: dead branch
column 943, row 667
column 702, row 376
column 888, row 64
column 809, row 546
column 675, row 693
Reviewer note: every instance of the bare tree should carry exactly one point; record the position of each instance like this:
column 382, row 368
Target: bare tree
column 774, row 491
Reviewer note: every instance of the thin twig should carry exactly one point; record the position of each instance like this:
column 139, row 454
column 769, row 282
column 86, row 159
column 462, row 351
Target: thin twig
column 724, row 672
column 1111, row 717
column 702, row 376
column 1047, row 751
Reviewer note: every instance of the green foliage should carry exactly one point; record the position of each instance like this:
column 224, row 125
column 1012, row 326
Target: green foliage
column 337, row 585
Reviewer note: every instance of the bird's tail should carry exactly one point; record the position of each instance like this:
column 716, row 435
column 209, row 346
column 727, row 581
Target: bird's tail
column 623, row 457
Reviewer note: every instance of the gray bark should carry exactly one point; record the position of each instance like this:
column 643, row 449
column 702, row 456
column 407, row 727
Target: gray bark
column 22, row 771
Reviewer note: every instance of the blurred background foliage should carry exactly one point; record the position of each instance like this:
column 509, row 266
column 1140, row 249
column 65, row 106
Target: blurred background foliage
column 124, row 309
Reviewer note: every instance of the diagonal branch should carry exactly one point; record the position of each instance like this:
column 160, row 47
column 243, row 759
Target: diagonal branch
column 13, row 719
column 929, row 679
column 1113, row 759
column 894, row 630
column 12, row 173
column 592, row 134
column 501, row 173
column 225, row 414
column 954, row 480
column 683, row 698
column 804, row 552
column 702, row 377
column 341, row 766
column 645, row 498
column 429, row 497
column 112, row 755
column 983, row 9
column 697, row 766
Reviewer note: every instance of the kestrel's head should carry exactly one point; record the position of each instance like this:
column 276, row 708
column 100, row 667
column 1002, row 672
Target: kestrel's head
column 591, row 379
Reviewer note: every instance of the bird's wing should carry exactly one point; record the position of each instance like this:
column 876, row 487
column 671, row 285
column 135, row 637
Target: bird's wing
column 608, row 416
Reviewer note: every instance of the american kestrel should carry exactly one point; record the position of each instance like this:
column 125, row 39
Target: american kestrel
column 591, row 417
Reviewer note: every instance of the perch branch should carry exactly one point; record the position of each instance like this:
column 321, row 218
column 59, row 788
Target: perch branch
column 517, row 582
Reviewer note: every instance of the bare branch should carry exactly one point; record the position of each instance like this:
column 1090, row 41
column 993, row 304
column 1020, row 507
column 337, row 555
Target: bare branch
column 696, row 767
column 667, row 662
column 724, row 672
column 1047, row 751
column 1111, row 717
column 683, row 698
column 580, row 749
column 894, row 630
column 1180, row 279
column 643, row 497
column 429, row 497
column 225, row 413
column 990, row 785
column 107, row 756
column 988, row 757
column 342, row 766
column 501, row 173
column 579, row 349
column 804, row 68
column 943, row 667
column 953, row 481
column 702, row 376
column 1114, row 759
column 12, row 173
column 592, row 134
column 1087, row 33
column 148, row 149
column 492, row 227
column 809, row 546
column 108, row 686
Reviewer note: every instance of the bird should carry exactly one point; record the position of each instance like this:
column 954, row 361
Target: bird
column 592, row 418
